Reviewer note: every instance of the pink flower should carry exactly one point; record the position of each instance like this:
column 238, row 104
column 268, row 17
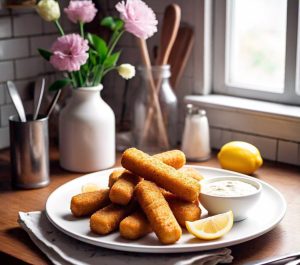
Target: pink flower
column 69, row 53
column 81, row 11
column 139, row 19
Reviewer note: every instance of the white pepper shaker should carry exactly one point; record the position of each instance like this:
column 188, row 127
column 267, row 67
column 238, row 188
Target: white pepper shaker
column 195, row 139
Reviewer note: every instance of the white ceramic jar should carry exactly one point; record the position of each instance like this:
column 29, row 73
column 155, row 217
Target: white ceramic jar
column 87, row 132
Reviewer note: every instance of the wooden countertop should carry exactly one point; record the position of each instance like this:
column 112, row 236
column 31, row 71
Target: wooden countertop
column 16, row 246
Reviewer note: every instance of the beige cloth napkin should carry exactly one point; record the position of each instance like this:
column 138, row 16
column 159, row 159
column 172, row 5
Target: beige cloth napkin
column 62, row 249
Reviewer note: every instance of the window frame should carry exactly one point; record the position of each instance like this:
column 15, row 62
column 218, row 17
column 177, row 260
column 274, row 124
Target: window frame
column 291, row 80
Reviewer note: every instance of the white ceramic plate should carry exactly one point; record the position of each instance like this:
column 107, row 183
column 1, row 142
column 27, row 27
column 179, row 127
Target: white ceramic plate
column 268, row 213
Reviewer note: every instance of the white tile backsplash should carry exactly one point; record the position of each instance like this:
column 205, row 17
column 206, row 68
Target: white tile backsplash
column 215, row 137
column 29, row 24
column 49, row 27
column 14, row 48
column 25, row 89
column 29, row 67
column 266, row 146
column 288, row 152
column 6, row 71
column 5, row 27
column 2, row 94
column 6, row 111
column 42, row 42
column 4, row 137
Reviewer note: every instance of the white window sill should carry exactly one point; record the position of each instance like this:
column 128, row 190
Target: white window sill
column 275, row 128
column 257, row 107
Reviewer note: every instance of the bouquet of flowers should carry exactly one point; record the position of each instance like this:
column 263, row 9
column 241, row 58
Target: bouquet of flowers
column 87, row 58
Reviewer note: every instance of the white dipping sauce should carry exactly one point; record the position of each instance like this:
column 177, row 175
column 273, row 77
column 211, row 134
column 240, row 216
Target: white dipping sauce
column 228, row 188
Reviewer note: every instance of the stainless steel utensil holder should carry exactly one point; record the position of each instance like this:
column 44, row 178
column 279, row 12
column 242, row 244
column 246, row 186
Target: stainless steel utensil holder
column 29, row 149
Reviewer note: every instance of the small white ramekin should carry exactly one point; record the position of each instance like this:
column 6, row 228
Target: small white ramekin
column 240, row 205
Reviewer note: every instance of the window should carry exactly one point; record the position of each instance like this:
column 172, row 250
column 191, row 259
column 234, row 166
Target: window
column 255, row 49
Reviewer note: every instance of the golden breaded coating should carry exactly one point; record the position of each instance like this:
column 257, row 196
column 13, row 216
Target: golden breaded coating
column 87, row 203
column 122, row 190
column 135, row 226
column 158, row 212
column 191, row 172
column 167, row 177
column 183, row 210
column 113, row 177
column 173, row 158
column 108, row 219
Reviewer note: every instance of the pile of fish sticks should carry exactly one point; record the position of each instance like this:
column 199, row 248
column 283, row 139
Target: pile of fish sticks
column 150, row 194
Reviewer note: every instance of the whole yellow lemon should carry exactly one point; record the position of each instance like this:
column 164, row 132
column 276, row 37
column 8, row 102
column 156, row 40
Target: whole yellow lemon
column 240, row 157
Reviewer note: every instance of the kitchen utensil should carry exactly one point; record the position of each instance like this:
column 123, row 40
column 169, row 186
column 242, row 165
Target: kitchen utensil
column 15, row 97
column 154, row 96
column 53, row 102
column 169, row 31
column 38, row 95
column 29, row 149
column 293, row 262
column 180, row 53
column 275, row 259
column 151, row 142
column 168, row 34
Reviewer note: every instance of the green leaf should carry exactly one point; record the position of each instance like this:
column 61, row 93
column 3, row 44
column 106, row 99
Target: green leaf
column 92, row 57
column 119, row 24
column 59, row 84
column 108, row 22
column 99, row 45
column 112, row 60
column 45, row 54
column 113, row 24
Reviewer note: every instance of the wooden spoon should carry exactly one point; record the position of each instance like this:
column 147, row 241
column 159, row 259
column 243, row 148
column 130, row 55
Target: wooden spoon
column 168, row 34
column 154, row 96
column 180, row 53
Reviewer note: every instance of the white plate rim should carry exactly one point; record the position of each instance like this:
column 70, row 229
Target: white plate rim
column 175, row 248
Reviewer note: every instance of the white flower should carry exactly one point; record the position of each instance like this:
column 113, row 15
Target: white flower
column 127, row 71
column 48, row 10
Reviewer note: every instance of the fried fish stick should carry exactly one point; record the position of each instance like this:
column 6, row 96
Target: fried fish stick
column 113, row 177
column 122, row 190
column 135, row 226
column 191, row 172
column 108, row 219
column 158, row 212
column 122, row 183
column 89, row 202
column 183, row 210
column 163, row 175
column 173, row 158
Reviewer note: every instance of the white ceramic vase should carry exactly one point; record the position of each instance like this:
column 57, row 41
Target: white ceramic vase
column 87, row 132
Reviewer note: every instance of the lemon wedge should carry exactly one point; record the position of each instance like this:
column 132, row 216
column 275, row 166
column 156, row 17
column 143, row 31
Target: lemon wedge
column 240, row 157
column 89, row 187
column 211, row 227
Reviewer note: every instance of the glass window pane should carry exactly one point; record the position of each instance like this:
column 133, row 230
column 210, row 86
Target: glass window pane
column 256, row 44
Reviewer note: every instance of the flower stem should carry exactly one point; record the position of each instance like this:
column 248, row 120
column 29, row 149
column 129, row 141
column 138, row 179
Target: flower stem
column 60, row 29
column 73, row 78
column 80, row 78
column 81, row 29
column 113, row 42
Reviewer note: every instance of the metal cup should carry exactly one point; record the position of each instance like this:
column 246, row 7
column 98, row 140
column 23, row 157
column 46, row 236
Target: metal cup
column 29, row 151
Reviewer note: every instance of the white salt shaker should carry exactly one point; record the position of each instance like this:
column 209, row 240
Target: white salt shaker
column 195, row 139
